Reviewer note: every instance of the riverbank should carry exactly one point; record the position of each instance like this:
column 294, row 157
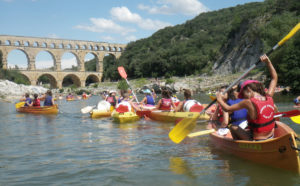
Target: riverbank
column 10, row 90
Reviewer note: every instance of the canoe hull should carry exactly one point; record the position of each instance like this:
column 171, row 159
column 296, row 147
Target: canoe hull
column 275, row 152
column 39, row 110
column 171, row 116
column 99, row 114
column 125, row 117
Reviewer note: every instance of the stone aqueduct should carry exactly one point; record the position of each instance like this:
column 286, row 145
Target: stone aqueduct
column 31, row 46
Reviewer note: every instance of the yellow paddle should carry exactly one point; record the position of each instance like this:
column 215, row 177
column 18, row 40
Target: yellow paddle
column 182, row 129
column 296, row 119
column 20, row 104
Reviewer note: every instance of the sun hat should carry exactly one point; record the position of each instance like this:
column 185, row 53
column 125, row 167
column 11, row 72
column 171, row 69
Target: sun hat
column 112, row 91
column 147, row 91
column 247, row 82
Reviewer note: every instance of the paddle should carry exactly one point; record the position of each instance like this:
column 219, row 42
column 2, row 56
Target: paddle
column 123, row 74
column 291, row 114
column 182, row 128
column 87, row 109
column 20, row 104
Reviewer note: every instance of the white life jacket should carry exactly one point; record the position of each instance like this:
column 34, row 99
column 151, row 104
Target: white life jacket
column 188, row 105
column 103, row 106
column 125, row 103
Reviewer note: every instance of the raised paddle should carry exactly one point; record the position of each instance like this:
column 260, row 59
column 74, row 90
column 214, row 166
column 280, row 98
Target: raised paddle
column 182, row 128
column 20, row 104
column 123, row 74
column 87, row 109
column 291, row 114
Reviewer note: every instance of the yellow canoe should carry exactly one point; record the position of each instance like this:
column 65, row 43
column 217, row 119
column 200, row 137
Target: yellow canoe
column 99, row 114
column 170, row 116
column 125, row 117
column 39, row 110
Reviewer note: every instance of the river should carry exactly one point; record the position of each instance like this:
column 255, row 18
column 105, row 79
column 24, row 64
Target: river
column 72, row 148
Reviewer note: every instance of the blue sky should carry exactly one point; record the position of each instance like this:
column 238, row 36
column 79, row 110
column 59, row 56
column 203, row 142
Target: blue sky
column 114, row 21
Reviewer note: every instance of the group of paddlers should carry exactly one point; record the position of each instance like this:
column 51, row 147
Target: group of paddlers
column 35, row 102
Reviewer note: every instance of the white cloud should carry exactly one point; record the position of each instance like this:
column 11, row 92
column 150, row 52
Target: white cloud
column 108, row 38
column 149, row 24
column 130, row 38
column 101, row 25
column 123, row 14
column 67, row 63
column 44, row 64
column 185, row 7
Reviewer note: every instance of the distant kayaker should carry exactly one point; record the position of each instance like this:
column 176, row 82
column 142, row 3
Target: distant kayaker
column 36, row 101
column 189, row 104
column 27, row 100
column 84, row 95
column 126, row 104
column 70, row 96
column 165, row 103
column 148, row 99
column 49, row 100
column 259, row 104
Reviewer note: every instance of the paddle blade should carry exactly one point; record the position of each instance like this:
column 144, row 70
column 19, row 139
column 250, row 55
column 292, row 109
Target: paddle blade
column 183, row 128
column 87, row 109
column 122, row 72
column 20, row 104
column 200, row 133
column 212, row 97
column 290, row 34
column 296, row 119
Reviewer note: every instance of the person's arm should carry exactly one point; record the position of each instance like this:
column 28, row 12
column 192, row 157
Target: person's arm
column 233, row 107
column 144, row 101
column 30, row 104
column 173, row 105
column 179, row 107
column 274, row 78
column 158, row 104
column 52, row 101
column 225, row 121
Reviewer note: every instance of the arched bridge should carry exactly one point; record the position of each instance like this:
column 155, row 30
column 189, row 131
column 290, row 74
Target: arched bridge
column 31, row 46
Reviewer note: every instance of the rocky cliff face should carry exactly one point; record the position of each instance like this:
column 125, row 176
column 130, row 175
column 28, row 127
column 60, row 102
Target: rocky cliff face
column 10, row 90
column 240, row 52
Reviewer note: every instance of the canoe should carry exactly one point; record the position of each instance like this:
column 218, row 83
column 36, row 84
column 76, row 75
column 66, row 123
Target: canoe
column 171, row 116
column 39, row 110
column 99, row 114
column 70, row 99
column 279, row 152
column 125, row 117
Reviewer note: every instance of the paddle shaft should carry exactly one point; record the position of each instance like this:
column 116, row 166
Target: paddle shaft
column 132, row 91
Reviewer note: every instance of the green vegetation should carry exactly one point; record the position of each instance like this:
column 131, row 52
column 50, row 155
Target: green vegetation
column 193, row 47
column 122, row 85
column 79, row 92
column 170, row 81
column 15, row 76
column 140, row 82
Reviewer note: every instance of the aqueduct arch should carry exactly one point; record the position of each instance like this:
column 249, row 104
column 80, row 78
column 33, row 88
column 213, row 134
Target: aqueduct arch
column 31, row 46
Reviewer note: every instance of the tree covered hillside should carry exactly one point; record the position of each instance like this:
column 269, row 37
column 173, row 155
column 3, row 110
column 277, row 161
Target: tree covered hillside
column 199, row 45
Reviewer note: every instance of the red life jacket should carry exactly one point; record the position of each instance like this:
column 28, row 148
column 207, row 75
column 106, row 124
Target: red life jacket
column 220, row 114
column 111, row 100
column 165, row 104
column 36, row 103
column 264, row 121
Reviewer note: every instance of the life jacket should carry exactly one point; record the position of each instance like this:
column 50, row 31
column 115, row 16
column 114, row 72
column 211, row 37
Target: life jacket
column 166, row 104
column 238, row 116
column 192, row 106
column 220, row 114
column 150, row 100
column 48, row 101
column 111, row 100
column 36, row 103
column 84, row 96
column 264, row 121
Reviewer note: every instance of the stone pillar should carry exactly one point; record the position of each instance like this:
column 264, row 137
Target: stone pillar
column 31, row 63
column 99, row 66
column 4, row 60
column 33, row 82
column 57, row 64
column 82, row 83
column 59, row 83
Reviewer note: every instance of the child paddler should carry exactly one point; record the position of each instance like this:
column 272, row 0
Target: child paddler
column 165, row 103
column 259, row 104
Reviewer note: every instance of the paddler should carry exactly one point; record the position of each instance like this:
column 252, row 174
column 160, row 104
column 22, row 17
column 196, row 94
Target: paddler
column 111, row 98
column 49, row 100
column 148, row 99
column 259, row 104
column 189, row 104
column 165, row 103
column 297, row 102
column 36, row 101
column 27, row 100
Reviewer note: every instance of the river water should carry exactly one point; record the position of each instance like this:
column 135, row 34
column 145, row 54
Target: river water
column 72, row 148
